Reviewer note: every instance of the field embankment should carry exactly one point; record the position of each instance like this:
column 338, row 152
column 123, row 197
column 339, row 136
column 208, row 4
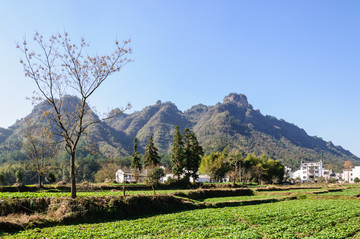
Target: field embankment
column 21, row 213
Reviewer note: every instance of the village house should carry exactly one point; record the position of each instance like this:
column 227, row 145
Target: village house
column 202, row 178
column 122, row 176
column 327, row 174
column 288, row 172
column 126, row 175
column 166, row 177
column 311, row 172
column 349, row 176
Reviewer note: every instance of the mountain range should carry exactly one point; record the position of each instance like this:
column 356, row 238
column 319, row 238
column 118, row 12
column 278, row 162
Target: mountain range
column 232, row 124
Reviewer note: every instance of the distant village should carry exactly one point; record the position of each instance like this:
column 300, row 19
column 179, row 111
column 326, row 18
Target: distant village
column 314, row 172
column 309, row 172
column 123, row 175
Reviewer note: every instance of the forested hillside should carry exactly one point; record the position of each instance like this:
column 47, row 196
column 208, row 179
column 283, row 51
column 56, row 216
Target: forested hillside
column 232, row 124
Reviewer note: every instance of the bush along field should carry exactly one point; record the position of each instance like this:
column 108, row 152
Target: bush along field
column 278, row 212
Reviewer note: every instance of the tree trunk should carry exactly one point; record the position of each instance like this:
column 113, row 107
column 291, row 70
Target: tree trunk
column 234, row 175
column 153, row 188
column 240, row 173
column 63, row 173
column 40, row 179
column 124, row 188
column 233, row 179
column 72, row 174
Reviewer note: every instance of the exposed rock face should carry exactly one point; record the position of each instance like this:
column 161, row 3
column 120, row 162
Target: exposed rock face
column 237, row 98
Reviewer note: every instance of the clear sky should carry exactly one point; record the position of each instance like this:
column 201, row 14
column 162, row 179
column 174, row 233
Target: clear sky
column 296, row 60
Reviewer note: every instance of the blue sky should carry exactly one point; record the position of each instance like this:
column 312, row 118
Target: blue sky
column 295, row 60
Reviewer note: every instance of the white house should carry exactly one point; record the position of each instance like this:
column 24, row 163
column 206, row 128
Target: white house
column 201, row 179
column 121, row 176
column 288, row 172
column 296, row 174
column 350, row 175
column 311, row 171
column 166, row 177
column 327, row 174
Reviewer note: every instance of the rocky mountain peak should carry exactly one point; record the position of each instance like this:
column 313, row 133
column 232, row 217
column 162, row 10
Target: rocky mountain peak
column 237, row 98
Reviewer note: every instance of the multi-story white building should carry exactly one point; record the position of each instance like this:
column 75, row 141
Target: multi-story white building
column 311, row 171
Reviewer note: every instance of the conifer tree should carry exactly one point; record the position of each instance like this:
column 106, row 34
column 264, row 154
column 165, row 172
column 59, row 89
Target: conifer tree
column 193, row 152
column 177, row 155
column 136, row 161
column 152, row 158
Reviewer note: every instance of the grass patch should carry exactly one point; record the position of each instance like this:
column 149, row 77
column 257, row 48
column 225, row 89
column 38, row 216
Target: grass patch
column 239, row 198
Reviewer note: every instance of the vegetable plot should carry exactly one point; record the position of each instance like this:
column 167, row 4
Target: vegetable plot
column 287, row 219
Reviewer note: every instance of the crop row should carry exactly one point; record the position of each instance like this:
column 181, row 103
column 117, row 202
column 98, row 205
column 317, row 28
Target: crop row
column 345, row 192
column 303, row 218
column 240, row 198
column 262, row 195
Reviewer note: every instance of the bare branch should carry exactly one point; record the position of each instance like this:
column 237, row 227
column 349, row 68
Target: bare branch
column 60, row 68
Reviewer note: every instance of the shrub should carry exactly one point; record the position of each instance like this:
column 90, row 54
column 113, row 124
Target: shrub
column 51, row 178
column 19, row 177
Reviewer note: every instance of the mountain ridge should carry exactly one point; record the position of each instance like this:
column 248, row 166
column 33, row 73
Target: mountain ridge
column 232, row 124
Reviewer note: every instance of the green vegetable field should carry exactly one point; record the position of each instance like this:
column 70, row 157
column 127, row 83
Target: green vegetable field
column 314, row 216
column 288, row 219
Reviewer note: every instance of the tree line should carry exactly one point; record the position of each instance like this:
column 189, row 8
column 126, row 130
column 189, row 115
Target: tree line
column 185, row 162
column 240, row 168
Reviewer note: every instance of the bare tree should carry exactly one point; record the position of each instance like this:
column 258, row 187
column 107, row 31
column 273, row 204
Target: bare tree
column 39, row 147
column 235, row 160
column 107, row 172
column 60, row 67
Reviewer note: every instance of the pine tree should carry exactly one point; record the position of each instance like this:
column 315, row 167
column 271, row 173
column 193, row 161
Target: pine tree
column 152, row 158
column 193, row 152
column 177, row 155
column 136, row 161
